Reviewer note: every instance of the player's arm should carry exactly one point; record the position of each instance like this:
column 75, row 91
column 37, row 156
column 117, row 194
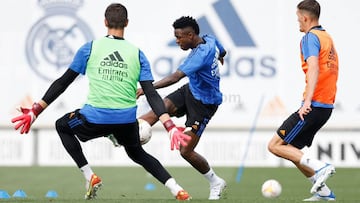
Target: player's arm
column 310, row 47
column 78, row 66
column 167, row 81
column 170, row 79
column 312, row 75
column 221, row 57
column 59, row 86
column 222, row 52
column 158, row 106
column 152, row 96
column 55, row 90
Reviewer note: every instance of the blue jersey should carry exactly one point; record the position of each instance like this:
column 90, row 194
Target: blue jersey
column 201, row 67
column 105, row 115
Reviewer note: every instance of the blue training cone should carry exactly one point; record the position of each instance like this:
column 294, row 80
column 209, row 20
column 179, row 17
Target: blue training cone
column 19, row 194
column 4, row 194
column 51, row 194
column 150, row 186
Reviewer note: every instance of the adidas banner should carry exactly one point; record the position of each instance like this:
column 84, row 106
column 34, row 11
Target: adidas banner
column 262, row 59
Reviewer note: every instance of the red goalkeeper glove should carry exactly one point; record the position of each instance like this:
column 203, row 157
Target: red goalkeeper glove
column 27, row 118
column 176, row 135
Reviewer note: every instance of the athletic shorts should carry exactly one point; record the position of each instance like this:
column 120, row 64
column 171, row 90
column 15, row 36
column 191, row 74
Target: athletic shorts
column 197, row 114
column 75, row 123
column 300, row 133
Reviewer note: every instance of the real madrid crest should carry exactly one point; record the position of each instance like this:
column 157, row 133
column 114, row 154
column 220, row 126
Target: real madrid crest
column 53, row 39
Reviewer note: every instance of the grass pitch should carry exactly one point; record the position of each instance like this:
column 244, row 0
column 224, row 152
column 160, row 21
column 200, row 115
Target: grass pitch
column 128, row 184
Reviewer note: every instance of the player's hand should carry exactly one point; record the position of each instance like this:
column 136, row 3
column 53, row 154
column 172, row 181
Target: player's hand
column 176, row 135
column 304, row 110
column 177, row 138
column 139, row 92
column 27, row 118
column 221, row 59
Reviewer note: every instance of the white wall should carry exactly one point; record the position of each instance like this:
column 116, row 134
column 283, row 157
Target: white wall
column 221, row 148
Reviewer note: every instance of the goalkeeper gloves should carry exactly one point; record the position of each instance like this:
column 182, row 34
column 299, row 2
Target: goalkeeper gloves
column 27, row 118
column 176, row 135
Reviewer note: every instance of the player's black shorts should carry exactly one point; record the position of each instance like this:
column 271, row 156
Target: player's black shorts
column 76, row 123
column 197, row 114
column 300, row 133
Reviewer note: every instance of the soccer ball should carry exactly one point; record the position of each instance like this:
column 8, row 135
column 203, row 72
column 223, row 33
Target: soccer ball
column 271, row 188
column 144, row 131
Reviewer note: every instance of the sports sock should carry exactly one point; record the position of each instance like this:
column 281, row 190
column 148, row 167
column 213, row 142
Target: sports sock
column 87, row 172
column 211, row 176
column 312, row 163
column 173, row 186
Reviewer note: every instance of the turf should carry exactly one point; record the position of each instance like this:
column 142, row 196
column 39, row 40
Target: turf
column 128, row 184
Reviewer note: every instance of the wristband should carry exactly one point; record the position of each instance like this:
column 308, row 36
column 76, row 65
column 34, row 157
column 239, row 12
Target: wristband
column 37, row 109
column 169, row 124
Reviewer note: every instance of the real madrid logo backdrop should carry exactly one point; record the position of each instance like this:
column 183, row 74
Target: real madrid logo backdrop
column 54, row 38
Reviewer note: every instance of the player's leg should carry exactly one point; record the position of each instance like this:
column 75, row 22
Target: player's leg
column 67, row 126
column 292, row 136
column 217, row 184
column 198, row 115
column 156, row 169
column 194, row 158
column 316, row 119
column 278, row 147
column 324, row 193
column 128, row 136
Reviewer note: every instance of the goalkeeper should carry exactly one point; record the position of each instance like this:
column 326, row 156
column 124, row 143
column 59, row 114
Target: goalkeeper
column 114, row 67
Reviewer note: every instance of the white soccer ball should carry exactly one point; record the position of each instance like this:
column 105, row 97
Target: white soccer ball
column 271, row 189
column 145, row 131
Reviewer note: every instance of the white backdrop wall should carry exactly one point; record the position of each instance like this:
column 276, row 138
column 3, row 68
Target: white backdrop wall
column 40, row 37
column 221, row 148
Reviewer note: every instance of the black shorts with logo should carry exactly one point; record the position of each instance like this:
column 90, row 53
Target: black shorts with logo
column 300, row 133
column 197, row 114
column 75, row 123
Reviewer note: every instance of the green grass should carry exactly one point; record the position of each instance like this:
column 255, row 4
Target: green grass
column 127, row 184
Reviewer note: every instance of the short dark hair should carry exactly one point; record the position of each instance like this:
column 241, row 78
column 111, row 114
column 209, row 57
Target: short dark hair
column 116, row 15
column 187, row 21
column 311, row 6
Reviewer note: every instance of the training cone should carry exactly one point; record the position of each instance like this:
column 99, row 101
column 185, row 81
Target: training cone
column 4, row 194
column 19, row 194
column 51, row 194
column 150, row 186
